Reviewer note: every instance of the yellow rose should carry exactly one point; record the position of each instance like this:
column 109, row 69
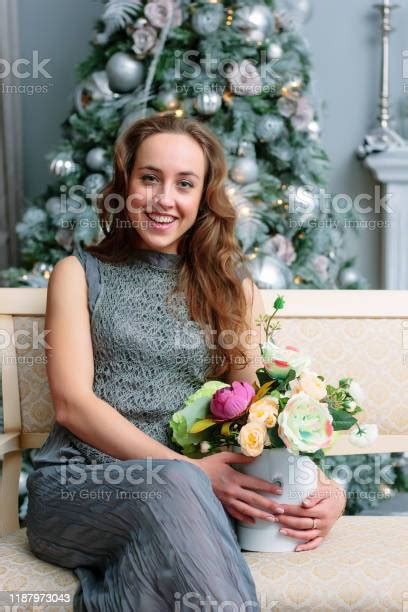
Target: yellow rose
column 252, row 438
column 309, row 383
column 264, row 410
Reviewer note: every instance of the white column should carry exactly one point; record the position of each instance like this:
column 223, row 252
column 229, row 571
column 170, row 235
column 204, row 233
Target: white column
column 391, row 169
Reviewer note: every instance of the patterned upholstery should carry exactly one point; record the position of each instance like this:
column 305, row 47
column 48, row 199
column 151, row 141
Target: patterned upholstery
column 361, row 566
column 369, row 350
column 37, row 413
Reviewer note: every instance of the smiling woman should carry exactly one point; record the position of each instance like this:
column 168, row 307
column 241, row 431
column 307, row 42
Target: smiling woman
column 126, row 348
column 166, row 197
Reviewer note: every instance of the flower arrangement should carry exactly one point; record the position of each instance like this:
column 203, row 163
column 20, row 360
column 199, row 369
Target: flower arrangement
column 290, row 406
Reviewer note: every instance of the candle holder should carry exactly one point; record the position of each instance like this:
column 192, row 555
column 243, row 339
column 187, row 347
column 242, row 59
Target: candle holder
column 382, row 136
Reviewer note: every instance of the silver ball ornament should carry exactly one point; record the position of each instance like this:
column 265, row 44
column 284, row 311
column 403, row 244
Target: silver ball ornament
column 208, row 103
column 269, row 272
column 348, row 276
column 244, row 170
column 207, row 19
column 63, row 164
column 269, row 127
column 94, row 183
column 124, row 72
column 168, row 100
column 96, row 159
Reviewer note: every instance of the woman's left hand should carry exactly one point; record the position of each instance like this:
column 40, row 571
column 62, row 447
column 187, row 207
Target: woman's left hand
column 323, row 507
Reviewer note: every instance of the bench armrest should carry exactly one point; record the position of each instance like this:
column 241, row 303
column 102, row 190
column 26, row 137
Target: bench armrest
column 9, row 442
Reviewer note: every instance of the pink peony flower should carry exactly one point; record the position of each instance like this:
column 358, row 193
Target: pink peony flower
column 230, row 402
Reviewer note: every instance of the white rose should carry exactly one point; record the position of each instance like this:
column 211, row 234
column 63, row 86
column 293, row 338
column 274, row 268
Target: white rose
column 363, row 435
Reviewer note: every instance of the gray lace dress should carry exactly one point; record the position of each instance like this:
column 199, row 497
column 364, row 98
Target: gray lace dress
column 140, row 535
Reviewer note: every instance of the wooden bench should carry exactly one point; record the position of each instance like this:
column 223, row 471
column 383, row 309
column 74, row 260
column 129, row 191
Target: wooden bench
column 362, row 564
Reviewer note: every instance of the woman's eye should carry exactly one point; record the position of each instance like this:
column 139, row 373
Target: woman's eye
column 151, row 178
column 148, row 177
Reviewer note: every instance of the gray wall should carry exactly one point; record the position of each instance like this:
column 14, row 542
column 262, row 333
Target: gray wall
column 345, row 46
column 60, row 30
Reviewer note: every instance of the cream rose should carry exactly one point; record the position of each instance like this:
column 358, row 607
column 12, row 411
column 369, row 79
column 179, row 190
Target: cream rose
column 252, row 438
column 264, row 410
column 310, row 383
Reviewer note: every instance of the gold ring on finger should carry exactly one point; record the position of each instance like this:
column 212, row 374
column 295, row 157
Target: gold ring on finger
column 315, row 523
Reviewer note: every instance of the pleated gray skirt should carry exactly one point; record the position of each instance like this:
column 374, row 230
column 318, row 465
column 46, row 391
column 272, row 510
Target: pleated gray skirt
column 140, row 535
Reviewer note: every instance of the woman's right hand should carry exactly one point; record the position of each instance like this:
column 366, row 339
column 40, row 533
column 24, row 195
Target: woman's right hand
column 237, row 491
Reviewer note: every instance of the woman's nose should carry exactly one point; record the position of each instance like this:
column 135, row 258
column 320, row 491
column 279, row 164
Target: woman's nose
column 165, row 199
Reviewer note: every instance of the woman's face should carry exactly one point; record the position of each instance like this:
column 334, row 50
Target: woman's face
column 165, row 190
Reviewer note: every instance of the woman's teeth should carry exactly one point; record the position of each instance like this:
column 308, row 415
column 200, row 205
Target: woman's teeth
column 161, row 218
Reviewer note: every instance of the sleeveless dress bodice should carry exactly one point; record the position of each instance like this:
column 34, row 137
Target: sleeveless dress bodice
column 148, row 355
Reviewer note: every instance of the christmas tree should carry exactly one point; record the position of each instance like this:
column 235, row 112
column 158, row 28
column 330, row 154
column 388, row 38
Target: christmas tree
column 245, row 70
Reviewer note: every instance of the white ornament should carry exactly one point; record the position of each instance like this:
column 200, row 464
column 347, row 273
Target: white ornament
column 314, row 129
column 274, row 51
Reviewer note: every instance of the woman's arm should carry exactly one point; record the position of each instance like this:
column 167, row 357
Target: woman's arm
column 70, row 371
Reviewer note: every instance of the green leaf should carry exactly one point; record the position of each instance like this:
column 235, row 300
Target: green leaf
column 342, row 419
column 262, row 376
